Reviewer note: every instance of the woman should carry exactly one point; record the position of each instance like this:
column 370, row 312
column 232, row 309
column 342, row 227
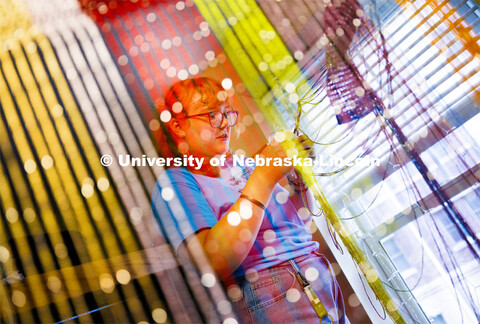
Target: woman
column 248, row 228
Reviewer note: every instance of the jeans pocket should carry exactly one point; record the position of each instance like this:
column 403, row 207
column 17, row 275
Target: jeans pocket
column 270, row 289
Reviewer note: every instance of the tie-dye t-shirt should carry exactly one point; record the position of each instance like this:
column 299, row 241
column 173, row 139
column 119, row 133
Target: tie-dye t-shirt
column 184, row 203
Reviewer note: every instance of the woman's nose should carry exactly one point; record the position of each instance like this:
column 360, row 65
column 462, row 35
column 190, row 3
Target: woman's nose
column 224, row 123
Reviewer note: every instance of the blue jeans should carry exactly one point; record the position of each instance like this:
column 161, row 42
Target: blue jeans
column 275, row 295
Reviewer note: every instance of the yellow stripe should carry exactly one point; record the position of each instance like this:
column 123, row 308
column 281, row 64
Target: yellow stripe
column 100, row 220
column 39, row 290
column 248, row 51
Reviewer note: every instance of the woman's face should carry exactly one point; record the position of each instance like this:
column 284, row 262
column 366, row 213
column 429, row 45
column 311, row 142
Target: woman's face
column 202, row 139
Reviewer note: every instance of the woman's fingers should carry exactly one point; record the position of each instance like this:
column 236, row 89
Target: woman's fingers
column 307, row 145
column 291, row 143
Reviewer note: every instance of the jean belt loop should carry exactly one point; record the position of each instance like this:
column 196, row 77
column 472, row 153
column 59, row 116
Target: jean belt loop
column 314, row 300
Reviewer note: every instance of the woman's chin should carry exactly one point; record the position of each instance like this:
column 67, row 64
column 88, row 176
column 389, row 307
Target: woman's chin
column 222, row 148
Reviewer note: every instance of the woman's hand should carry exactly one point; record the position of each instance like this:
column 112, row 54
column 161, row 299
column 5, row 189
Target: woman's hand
column 285, row 145
column 271, row 172
column 307, row 145
column 306, row 150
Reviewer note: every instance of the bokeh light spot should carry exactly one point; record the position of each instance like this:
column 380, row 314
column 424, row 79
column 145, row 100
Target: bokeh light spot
column 180, row 5
column 123, row 276
column 159, row 315
column 167, row 193
column 210, row 55
column 29, row 166
column 311, row 274
column 269, row 236
column 353, row 300
column 360, row 91
column 87, row 190
column 165, row 116
column 208, row 280
column 206, row 134
column 12, row 215
column 246, row 211
column 177, row 107
column 233, row 218
column 29, row 215
column 227, row 83
column 280, row 137
column 281, row 197
column 4, row 254
column 106, row 283
column 303, row 213
column 18, row 298
column 293, row 295
column 182, row 74
column 47, row 162
column 269, row 251
column 234, row 292
column 230, row 320
column 251, row 275
column 54, row 284
column 222, row 95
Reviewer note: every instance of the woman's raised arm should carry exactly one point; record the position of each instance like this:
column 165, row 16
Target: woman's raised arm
column 228, row 242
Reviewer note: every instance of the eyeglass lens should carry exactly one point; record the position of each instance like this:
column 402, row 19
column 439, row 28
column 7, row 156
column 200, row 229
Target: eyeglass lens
column 216, row 118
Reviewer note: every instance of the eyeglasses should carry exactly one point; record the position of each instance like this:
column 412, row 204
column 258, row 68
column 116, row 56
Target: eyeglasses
column 216, row 117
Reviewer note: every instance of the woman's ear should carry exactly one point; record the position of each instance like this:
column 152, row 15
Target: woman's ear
column 176, row 129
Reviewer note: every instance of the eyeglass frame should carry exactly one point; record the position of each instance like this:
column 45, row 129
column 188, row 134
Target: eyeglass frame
column 224, row 116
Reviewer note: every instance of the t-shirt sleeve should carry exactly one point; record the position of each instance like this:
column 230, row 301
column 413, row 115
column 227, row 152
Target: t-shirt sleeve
column 179, row 207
